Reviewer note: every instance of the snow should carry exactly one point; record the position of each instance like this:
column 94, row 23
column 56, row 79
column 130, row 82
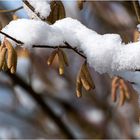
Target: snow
column 106, row 53
column 33, row 32
column 41, row 6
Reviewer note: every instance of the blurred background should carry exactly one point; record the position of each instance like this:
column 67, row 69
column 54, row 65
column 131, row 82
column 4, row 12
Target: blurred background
column 92, row 116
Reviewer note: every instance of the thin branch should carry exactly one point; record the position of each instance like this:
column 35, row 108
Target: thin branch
column 13, row 10
column 65, row 47
column 10, row 37
column 43, row 105
column 75, row 49
column 137, row 9
column 32, row 9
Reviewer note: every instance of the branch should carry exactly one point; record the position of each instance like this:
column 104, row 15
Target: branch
column 13, row 10
column 10, row 37
column 32, row 9
column 43, row 105
column 68, row 46
column 137, row 9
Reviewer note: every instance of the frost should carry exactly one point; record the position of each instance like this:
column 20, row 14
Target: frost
column 106, row 53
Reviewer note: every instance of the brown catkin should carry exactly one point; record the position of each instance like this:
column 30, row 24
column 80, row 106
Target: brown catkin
column 86, row 72
column 2, row 57
column 84, row 81
column 61, row 62
column 80, row 4
column 11, row 56
column 51, row 57
column 65, row 58
column 14, row 65
column 4, row 67
column 122, row 96
column 57, row 12
column 114, row 92
column 78, row 86
column 125, row 88
column 62, row 13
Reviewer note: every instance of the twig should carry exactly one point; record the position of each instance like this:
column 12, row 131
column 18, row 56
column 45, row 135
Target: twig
column 43, row 105
column 32, row 9
column 13, row 10
column 137, row 9
column 10, row 37
column 65, row 47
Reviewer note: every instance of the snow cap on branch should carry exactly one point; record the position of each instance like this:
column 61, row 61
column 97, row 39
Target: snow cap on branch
column 40, row 6
column 106, row 53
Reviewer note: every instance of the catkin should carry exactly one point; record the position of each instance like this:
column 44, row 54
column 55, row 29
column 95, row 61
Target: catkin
column 78, row 86
column 51, row 58
column 125, row 88
column 61, row 62
column 122, row 96
column 11, row 56
column 4, row 67
column 84, row 81
column 14, row 66
column 114, row 92
column 2, row 57
column 62, row 13
column 65, row 58
column 136, row 36
column 88, row 76
column 10, row 53
column 57, row 12
column 80, row 4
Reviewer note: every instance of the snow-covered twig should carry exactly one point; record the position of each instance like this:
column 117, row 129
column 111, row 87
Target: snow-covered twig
column 39, row 14
column 12, row 38
column 41, row 46
column 106, row 53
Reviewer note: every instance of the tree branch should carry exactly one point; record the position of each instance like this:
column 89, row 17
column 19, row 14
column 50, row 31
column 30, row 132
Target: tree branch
column 10, row 37
column 32, row 9
column 43, row 105
column 137, row 9
column 68, row 46
column 13, row 10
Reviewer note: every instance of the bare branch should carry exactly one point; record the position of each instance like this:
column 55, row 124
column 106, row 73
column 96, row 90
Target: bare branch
column 68, row 46
column 43, row 105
